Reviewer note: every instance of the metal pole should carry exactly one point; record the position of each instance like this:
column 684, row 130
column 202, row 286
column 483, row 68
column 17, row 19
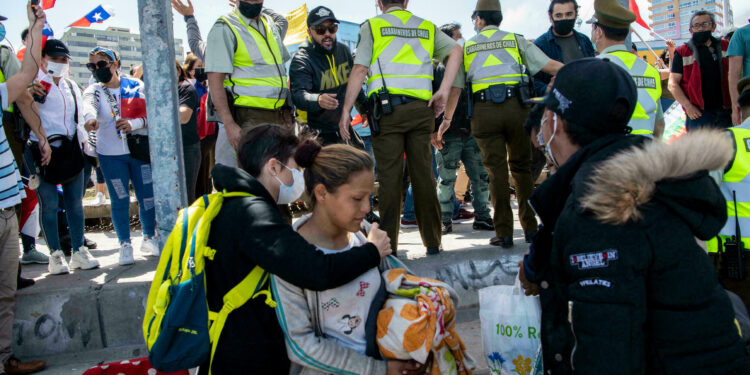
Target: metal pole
column 164, row 132
column 628, row 40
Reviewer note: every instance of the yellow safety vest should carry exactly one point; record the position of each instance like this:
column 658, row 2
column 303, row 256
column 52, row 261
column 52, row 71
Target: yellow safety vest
column 648, row 83
column 491, row 58
column 2, row 80
column 403, row 47
column 736, row 180
column 259, row 76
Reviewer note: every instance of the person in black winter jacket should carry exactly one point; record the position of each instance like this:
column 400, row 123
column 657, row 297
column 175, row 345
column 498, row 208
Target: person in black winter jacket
column 318, row 76
column 250, row 231
column 625, row 287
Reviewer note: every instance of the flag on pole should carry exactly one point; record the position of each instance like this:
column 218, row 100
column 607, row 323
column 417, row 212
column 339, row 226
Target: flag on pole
column 98, row 15
column 297, row 31
column 638, row 19
column 47, row 33
column 47, row 4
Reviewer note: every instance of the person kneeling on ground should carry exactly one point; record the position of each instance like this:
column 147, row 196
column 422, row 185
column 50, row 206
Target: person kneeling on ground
column 627, row 288
column 250, row 231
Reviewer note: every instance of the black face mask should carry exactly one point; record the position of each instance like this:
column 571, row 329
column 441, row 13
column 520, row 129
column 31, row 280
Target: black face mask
column 250, row 10
column 200, row 75
column 103, row 75
column 701, row 37
column 564, row 27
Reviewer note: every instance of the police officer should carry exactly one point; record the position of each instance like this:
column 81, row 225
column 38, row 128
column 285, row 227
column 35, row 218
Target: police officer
column 496, row 64
column 245, row 53
column 398, row 48
column 610, row 26
column 735, row 186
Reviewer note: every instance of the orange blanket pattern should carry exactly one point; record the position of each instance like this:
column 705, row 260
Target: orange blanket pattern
column 418, row 319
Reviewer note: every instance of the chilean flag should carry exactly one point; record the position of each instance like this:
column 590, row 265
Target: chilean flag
column 638, row 19
column 47, row 4
column 98, row 15
column 132, row 99
column 46, row 33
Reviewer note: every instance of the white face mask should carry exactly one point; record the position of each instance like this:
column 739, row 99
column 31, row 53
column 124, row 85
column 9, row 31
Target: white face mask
column 56, row 69
column 547, row 145
column 287, row 193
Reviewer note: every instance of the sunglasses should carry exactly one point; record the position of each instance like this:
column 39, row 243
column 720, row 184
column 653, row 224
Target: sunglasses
column 321, row 30
column 101, row 64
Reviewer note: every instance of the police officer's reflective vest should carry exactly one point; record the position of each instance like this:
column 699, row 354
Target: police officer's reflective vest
column 259, row 76
column 491, row 58
column 736, row 180
column 403, row 46
column 2, row 80
column 648, row 82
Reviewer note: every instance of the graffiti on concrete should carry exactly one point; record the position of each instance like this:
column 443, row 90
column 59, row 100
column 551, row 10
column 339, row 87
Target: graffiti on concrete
column 68, row 323
column 478, row 274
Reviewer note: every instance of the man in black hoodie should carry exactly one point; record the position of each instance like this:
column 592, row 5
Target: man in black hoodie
column 319, row 73
column 625, row 288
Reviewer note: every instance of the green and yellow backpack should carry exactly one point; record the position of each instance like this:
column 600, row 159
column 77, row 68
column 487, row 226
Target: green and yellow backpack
column 180, row 330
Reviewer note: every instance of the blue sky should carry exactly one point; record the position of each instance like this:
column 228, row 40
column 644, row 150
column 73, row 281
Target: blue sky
column 528, row 17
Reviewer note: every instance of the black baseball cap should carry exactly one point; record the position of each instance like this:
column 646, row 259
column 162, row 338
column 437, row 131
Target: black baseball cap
column 55, row 48
column 3, row 18
column 585, row 93
column 320, row 15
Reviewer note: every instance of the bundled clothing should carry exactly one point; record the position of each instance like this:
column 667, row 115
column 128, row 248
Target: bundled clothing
column 248, row 232
column 644, row 296
column 418, row 320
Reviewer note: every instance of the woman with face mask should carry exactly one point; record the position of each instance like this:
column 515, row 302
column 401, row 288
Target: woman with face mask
column 207, row 131
column 250, row 231
column 115, row 106
column 59, row 104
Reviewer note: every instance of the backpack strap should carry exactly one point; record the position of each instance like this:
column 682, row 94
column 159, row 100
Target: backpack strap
column 250, row 287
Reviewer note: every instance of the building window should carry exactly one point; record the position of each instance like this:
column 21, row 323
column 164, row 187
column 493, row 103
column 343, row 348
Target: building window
column 670, row 16
column 670, row 7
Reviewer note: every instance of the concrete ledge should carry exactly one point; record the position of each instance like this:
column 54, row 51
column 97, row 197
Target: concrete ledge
column 97, row 314
column 94, row 211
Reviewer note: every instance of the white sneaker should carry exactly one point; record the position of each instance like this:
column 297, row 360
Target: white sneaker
column 150, row 247
column 100, row 199
column 83, row 259
column 126, row 254
column 57, row 264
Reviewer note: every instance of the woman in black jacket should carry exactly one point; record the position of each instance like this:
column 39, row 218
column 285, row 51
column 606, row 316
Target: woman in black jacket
column 249, row 231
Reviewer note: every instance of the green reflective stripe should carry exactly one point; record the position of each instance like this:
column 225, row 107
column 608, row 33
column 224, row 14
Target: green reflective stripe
column 492, row 57
column 741, row 164
column 648, row 84
column 2, row 80
column 712, row 245
column 259, row 76
column 403, row 47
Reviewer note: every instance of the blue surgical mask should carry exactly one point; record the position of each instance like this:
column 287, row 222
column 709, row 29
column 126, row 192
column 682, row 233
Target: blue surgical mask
column 2, row 32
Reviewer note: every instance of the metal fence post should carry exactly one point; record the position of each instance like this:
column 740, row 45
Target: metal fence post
column 164, row 132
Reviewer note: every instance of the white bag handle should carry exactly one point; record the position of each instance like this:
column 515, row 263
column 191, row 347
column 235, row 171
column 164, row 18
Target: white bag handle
column 517, row 290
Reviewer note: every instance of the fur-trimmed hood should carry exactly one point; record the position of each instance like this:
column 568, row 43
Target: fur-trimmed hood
column 623, row 184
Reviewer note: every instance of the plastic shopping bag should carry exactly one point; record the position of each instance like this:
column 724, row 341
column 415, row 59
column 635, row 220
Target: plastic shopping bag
column 510, row 330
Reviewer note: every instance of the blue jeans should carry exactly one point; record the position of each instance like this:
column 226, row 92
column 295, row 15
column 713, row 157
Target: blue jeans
column 49, row 200
column 408, row 213
column 456, row 150
column 721, row 119
column 666, row 103
column 118, row 172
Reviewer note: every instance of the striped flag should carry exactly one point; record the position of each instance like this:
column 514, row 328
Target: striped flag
column 47, row 33
column 98, row 15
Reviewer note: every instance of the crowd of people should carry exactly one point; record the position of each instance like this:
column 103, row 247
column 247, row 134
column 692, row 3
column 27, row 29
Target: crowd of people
column 618, row 256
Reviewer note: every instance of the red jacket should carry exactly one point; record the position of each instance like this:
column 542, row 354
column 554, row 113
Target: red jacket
column 691, row 72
